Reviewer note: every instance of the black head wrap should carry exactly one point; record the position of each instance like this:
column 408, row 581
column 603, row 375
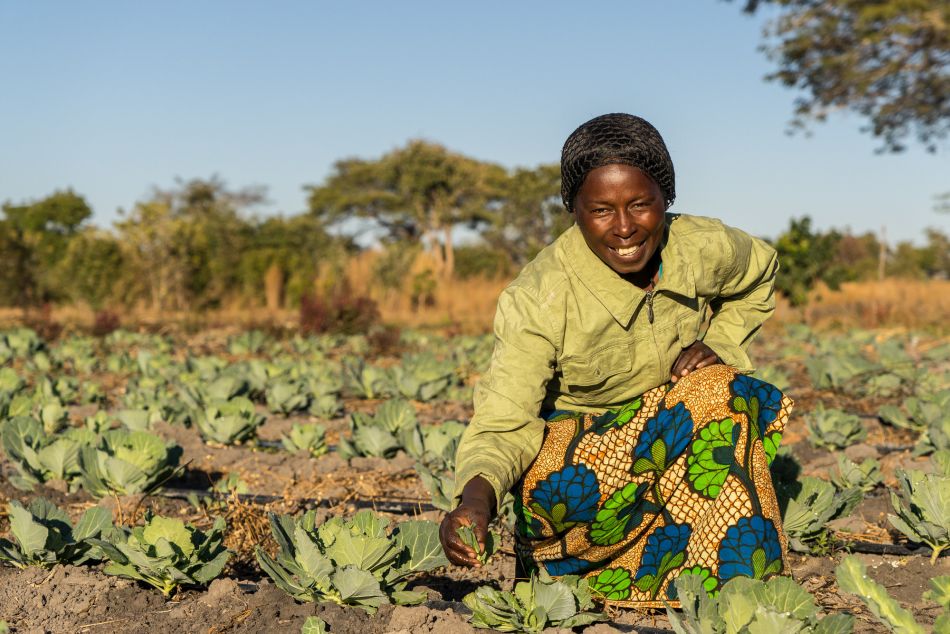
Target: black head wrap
column 615, row 138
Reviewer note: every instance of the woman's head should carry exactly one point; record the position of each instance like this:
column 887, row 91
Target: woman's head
column 611, row 139
column 617, row 180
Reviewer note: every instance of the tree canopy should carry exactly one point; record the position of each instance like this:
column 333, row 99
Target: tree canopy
column 887, row 60
column 417, row 193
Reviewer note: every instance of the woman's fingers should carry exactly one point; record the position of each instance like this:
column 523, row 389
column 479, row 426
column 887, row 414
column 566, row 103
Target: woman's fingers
column 457, row 551
column 697, row 355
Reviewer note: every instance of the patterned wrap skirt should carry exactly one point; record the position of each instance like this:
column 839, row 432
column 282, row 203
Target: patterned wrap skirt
column 676, row 482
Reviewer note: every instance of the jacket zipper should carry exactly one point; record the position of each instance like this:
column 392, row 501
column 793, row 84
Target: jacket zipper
column 650, row 306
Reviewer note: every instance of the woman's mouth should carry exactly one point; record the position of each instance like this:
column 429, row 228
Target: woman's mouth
column 628, row 252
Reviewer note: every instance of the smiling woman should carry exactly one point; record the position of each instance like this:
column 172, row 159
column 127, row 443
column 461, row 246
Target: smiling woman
column 636, row 449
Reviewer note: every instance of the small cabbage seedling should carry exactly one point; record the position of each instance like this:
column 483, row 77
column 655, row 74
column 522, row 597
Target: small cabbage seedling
column 534, row 605
column 492, row 543
column 923, row 509
column 807, row 514
column 44, row 536
column 834, row 428
column 865, row 476
column 309, row 438
column 229, row 422
column 165, row 553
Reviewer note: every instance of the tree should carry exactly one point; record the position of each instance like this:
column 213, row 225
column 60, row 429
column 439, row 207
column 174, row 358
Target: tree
column 186, row 242
column 420, row 192
column 806, row 257
column 529, row 214
column 33, row 238
column 887, row 60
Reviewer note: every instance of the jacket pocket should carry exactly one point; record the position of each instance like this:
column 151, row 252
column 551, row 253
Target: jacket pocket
column 598, row 370
column 687, row 329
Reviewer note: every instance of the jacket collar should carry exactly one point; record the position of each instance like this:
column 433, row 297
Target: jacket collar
column 618, row 296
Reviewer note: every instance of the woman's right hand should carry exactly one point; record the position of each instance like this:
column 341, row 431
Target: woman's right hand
column 476, row 510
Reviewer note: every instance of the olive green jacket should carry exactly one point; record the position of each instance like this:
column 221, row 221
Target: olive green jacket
column 571, row 334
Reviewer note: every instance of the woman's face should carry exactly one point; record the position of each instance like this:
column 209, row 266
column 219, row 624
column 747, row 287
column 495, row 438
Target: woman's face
column 620, row 211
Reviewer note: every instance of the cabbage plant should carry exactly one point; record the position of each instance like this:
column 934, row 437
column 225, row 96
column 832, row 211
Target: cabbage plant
column 750, row 606
column 310, row 438
column 228, row 422
column 865, row 476
column 165, row 552
column 534, row 605
column 808, row 513
column 393, row 427
column 422, row 377
column 923, row 509
column 351, row 561
column 365, row 380
column 43, row 535
column 834, row 428
column 40, row 457
column 127, row 462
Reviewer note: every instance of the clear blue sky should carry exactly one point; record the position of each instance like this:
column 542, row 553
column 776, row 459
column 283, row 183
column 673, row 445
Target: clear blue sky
column 111, row 98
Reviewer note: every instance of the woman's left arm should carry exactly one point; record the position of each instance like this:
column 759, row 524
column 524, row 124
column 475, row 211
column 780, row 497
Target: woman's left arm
column 746, row 299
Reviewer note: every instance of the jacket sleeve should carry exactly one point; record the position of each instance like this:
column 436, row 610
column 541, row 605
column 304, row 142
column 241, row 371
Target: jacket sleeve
column 506, row 433
column 746, row 299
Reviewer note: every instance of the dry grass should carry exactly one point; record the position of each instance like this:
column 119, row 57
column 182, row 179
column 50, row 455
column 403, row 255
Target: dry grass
column 468, row 306
column 915, row 304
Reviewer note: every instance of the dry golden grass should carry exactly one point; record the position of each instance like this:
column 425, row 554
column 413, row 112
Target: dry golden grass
column 915, row 304
column 468, row 306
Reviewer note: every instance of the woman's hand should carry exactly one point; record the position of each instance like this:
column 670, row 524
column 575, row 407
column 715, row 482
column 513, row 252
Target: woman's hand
column 695, row 356
column 476, row 510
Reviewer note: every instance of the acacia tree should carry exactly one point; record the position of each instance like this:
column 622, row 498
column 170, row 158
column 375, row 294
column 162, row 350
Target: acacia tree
column 888, row 60
column 420, row 192
column 529, row 213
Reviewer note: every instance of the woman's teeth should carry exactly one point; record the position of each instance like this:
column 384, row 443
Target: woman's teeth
column 627, row 252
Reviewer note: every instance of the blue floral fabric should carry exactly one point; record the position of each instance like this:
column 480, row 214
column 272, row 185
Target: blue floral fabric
column 660, row 487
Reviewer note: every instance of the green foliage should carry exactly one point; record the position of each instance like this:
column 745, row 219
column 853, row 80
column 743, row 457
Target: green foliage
column 806, row 258
column 287, row 397
column 440, row 485
column 393, row 427
column 365, row 380
column 229, row 422
column 126, row 463
column 422, row 377
column 865, row 476
column 809, row 511
column 492, row 543
column 418, row 192
column 534, row 605
column 314, row 625
column 40, row 457
column 751, row 606
column 834, row 428
column 853, row 577
column 351, row 561
column 923, row 509
column 882, row 60
column 44, row 536
column 918, row 412
column 309, row 438
column 165, row 552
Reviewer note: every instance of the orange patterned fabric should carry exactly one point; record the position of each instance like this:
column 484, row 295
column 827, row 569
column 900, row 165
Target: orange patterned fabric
column 675, row 482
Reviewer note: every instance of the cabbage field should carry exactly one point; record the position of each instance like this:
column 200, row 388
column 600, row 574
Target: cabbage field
column 249, row 482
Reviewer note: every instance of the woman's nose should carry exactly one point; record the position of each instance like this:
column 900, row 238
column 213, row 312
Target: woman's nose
column 624, row 224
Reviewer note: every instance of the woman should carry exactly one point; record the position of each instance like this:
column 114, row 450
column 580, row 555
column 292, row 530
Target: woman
column 636, row 448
